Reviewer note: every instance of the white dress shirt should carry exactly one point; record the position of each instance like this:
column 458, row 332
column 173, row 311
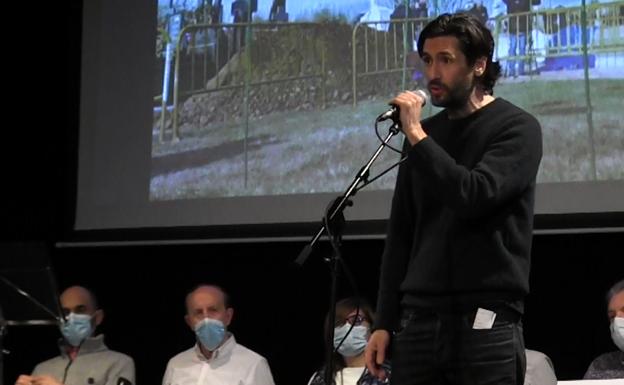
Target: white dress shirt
column 346, row 376
column 230, row 364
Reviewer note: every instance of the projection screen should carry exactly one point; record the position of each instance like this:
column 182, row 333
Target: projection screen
column 207, row 113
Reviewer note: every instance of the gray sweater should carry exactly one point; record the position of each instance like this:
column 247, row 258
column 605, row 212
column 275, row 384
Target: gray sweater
column 606, row 366
column 95, row 364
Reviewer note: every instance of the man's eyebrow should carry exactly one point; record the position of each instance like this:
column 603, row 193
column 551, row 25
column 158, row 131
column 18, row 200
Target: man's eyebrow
column 441, row 53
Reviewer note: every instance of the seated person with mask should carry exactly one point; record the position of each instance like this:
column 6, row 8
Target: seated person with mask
column 349, row 367
column 216, row 358
column 84, row 359
column 611, row 365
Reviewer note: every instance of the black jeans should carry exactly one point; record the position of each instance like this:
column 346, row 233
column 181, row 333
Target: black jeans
column 438, row 348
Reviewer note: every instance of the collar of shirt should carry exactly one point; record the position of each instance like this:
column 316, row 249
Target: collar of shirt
column 219, row 354
column 90, row 345
column 72, row 351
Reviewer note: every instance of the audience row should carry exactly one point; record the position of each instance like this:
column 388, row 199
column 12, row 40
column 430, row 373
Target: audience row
column 217, row 357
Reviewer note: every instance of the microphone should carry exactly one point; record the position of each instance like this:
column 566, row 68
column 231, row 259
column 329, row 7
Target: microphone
column 393, row 112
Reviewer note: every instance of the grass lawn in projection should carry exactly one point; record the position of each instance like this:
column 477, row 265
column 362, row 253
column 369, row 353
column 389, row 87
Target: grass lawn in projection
column 321, row 150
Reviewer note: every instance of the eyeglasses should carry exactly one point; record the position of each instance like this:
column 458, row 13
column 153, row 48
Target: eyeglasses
column 355, row 320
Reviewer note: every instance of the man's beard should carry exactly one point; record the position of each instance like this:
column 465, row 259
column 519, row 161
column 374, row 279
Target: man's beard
column 456, row 97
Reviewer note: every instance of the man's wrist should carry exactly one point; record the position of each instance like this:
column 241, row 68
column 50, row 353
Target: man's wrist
column 415, row 134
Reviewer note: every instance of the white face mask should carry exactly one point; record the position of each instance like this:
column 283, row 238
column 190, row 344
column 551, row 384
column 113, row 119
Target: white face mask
column 617, row 332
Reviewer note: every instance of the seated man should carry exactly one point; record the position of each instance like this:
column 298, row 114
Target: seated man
column 216, row 358
column 611, row 365
column 539, row 369
column 84, row 359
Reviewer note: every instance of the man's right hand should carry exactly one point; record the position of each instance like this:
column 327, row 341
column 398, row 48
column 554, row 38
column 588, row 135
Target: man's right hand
column 375, row 353
column 45, row 380
column 23, row 380
column 410, row 106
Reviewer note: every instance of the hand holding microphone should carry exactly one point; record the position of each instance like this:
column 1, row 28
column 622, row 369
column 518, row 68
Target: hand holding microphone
column 406, row 111
column 393, row 112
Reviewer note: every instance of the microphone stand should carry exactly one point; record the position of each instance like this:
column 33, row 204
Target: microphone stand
column 333, row 224
column 2, row 352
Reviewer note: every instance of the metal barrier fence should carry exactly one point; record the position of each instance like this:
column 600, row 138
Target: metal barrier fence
column 221, row 56
column 218, row 57
column 522, row 38
column 383, row 47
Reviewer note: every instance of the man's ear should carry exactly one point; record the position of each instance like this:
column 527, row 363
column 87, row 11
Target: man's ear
column 480, row 66
column 229, row 313
column 188, row 321
column 98, row 317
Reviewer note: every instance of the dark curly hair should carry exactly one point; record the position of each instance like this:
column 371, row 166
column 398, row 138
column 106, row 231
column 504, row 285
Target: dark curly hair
column 475, row 41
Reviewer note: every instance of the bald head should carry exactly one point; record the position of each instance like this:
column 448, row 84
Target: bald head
column 208, row 301
column 204, row 290
column 80, row 300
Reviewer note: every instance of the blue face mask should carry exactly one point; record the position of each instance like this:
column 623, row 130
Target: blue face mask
column 77, row 328
column 210, row 333
column 355, row 343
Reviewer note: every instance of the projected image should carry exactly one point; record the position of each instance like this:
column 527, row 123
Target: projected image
column 271, row 97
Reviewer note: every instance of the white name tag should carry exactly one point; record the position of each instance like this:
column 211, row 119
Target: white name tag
column 484, row 319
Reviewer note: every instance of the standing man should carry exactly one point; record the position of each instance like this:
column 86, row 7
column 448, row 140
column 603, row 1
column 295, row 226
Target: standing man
column 455, row 269
column 216, row 358
column 241, row 13
column 84, row 359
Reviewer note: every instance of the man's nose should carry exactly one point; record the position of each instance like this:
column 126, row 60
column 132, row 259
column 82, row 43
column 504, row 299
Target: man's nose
column 433, row 72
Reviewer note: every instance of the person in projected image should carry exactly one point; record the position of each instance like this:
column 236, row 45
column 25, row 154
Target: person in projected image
column 478, row 10
column 348, row 362
column 519, row 31
column 455, row 268
column 84, row 358
column 611, row 365
column 216, row 358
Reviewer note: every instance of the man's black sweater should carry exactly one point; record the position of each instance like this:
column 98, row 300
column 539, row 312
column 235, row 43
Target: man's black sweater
column 462, row 213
